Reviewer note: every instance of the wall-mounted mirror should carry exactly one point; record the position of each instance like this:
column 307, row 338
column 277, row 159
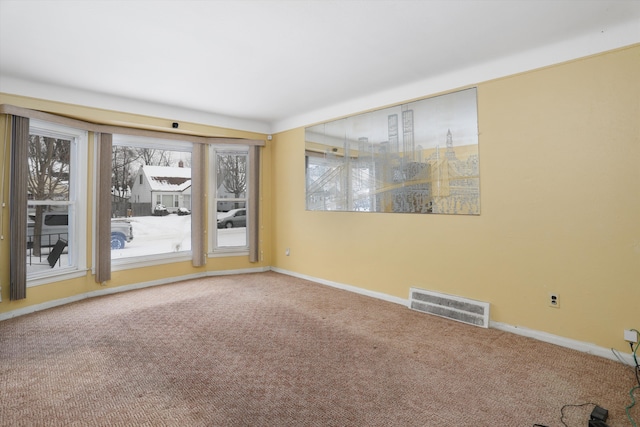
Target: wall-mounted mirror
column 419, row 157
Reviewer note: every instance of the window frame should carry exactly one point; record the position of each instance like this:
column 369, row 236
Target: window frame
column 214, row 249
column 76, row 205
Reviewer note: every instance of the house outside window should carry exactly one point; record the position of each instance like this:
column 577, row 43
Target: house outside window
column 56, row 209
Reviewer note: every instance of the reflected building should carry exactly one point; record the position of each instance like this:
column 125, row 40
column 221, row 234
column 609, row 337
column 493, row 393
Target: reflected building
column 442, row 183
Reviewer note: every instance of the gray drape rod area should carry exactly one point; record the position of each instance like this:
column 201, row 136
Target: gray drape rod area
column 101, row 128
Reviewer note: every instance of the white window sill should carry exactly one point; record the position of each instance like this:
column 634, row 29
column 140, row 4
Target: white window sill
column 220, row 253
column 149, row 260
column 58, row 276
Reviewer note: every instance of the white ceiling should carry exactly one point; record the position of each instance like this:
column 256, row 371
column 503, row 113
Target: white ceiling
column 271, row 65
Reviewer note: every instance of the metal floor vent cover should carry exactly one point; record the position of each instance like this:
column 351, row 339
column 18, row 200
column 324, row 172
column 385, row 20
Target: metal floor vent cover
column 452, row 307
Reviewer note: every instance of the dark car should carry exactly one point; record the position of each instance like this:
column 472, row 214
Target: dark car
column 233, row 218
column 160, row 210
column 183, row 211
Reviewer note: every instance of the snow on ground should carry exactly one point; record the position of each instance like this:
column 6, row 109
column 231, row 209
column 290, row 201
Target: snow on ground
column 152, row 235
column 157, row 235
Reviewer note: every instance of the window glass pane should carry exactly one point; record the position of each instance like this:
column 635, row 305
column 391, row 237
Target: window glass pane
column 167, row 200
column 49, row 205
column 232, row 224
column 231, row 176
column 151, row 205
column 47, row 226
column 49, row 168
column 230, row 198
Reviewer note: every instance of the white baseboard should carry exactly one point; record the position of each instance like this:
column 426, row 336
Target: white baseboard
column 124, row 288
column 355, row 289
column 240, row 271
column 538, row 335
column 582, row 346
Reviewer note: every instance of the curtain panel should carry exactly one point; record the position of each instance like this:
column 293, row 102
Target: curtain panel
column 18, row 207
column 103, row 216
column 198, row 251
column 254, row 204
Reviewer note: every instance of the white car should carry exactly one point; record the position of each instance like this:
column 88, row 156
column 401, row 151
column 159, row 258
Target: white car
column 55, row 226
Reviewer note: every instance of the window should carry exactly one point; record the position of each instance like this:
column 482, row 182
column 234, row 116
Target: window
column 229, row 199
column 150, row 212
column 56, row 194
column 56, row 203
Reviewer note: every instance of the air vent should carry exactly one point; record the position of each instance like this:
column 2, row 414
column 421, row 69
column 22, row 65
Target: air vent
column 452, row 307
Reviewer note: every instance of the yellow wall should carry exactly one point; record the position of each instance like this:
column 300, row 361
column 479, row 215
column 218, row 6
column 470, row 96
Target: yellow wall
column 75, row 287
column 560, row 210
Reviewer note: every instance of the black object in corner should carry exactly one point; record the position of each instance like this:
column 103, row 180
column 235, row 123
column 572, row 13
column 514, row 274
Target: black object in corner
column 599, row 414
column 56, row 252
column 598, row 417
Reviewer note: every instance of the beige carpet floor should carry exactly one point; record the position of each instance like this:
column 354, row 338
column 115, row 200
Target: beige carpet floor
column 271, row 350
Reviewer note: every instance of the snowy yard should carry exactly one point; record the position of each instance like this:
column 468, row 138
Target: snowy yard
column 157, row 235
column 172, row 233
column 152, row 235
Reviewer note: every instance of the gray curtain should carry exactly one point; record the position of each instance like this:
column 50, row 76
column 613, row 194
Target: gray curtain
column 198, row 205
column 18, row 207
column 254, row 206
column 103, row 215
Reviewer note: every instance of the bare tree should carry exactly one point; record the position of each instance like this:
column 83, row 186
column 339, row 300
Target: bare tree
column 154, row 157
column 48, row 177
column 123, row 169
column 232, row 169
column 166, row 158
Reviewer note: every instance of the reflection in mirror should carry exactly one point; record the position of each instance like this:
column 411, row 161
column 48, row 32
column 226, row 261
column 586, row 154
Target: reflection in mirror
column 419, row 157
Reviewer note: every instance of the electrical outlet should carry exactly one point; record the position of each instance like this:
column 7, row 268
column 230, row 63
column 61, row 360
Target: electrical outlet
column 554, row 300
column 287, row 252
column 630, row 335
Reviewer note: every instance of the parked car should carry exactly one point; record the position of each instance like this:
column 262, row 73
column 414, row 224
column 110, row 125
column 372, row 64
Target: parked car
column 121, row 232
column 55, row 226
column 233, row 218
column 183, row 211
column 160, row 210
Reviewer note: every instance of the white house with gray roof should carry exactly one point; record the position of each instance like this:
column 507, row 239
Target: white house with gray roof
column 162, row 185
